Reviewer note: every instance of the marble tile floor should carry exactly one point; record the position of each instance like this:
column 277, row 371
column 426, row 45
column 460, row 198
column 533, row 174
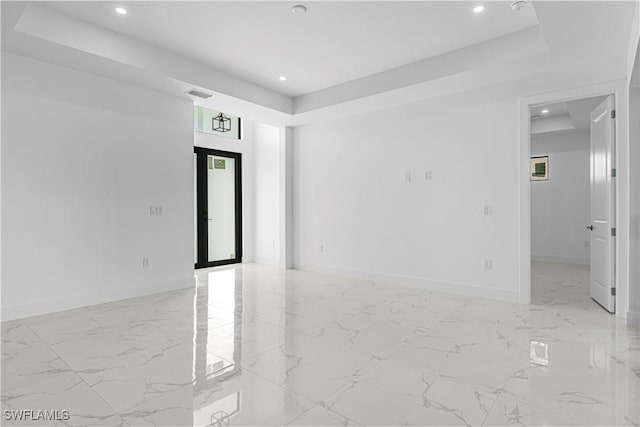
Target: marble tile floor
column 254, row 345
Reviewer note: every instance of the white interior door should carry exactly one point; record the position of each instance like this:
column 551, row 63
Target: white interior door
column 603, row 205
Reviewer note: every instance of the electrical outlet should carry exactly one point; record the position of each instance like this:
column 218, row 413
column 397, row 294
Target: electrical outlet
column 321, row 248
column 488, row 264
column 145, row 262
column 155, row 210
column 407, row 176
column 427, row 176
column 488, row 210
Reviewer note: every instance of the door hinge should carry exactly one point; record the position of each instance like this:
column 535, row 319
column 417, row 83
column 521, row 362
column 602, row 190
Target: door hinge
column 613, row 114
column 613, row 291
column 613, row 173
column 613, row 231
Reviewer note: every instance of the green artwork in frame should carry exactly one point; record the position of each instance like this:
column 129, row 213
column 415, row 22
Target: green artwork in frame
column 539, row 168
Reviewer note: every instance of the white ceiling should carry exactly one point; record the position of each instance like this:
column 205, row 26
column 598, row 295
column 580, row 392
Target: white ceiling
column 353, row 51
column 564, row 117
column 333, row 43
column 556, row 109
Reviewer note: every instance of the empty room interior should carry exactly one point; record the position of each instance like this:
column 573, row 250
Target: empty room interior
column 561, row 203
column 320, row 213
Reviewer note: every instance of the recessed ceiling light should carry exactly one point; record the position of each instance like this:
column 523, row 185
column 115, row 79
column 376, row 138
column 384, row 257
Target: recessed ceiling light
column 299, row 9
column 478, row 9
column 283, row 78
column 121, row 10
column 545, row 111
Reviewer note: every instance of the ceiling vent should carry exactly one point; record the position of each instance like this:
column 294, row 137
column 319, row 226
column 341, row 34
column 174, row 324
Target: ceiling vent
column 199, row 94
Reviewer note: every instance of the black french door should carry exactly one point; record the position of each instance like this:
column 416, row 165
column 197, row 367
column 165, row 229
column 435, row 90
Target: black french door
column 218, row 207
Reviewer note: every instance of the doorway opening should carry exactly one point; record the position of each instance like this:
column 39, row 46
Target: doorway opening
column 572, row 202
column 218, row 207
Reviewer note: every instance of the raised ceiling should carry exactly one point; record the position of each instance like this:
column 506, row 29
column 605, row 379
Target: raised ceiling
column 333, row 43
column 341, row 59
column 564, row 117
column 556, row 109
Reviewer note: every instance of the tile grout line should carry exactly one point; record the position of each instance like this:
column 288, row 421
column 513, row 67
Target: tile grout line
column 115, row 413
column 119, row 309
column 23, row 323
column 524, row 351
column 502, row 389
column 546, row 312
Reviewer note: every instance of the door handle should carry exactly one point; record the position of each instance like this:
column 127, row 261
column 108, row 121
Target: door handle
column 590, row 227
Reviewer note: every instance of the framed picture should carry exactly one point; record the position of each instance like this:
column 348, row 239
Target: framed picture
column 539, row 169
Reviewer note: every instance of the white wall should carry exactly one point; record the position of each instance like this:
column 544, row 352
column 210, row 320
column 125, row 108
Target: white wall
column 560, row 207
column 634, row 196
column 355, row 214
column 267, row 167
column 83, row 158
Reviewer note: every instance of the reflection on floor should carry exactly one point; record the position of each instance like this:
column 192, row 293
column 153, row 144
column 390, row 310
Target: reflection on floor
column 259, row 346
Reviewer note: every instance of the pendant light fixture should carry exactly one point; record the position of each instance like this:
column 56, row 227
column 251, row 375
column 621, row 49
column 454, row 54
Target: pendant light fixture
column 221, row 123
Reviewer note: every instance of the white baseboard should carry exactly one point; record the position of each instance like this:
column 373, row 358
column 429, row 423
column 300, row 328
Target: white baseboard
column 633, row 319
column 420, row 283
column 560, row 259
column 93, row 298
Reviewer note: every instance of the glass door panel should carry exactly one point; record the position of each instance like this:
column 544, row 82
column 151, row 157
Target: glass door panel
column 221, row 201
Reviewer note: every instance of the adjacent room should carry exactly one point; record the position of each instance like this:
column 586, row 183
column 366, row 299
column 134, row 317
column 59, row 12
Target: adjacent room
column 271, row 213
column 561, row 192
